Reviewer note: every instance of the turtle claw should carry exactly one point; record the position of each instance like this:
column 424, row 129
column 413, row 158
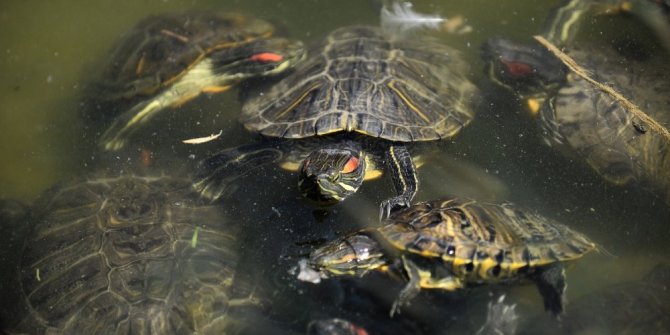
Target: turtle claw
column 391, row 205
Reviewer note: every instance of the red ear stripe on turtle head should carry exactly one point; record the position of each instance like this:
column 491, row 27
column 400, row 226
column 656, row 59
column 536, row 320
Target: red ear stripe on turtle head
column 517, row 69
column 351, row 165
column 267, row 57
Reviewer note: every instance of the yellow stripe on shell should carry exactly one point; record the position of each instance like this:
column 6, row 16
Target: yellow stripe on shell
column 407, row 102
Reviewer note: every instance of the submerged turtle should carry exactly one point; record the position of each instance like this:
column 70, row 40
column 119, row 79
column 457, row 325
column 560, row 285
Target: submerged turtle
column 167, row 60
column 585, row 121
column 352, row 107
column 125, row 255
column 450, row 243
column 566, row 19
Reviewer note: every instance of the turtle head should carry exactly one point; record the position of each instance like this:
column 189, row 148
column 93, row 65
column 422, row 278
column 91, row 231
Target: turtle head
column 354, row 255
column 329, row 175
column 265, row 56
column 528, row 70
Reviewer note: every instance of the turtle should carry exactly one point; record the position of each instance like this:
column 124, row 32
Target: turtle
column 566, row 19
column 126, row 254
column 587, row 123
column 166, row 60
column 350, row 109
column 451, row 243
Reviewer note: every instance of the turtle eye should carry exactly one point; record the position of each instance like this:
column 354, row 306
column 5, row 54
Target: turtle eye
column 351, row 165
column 267, row 57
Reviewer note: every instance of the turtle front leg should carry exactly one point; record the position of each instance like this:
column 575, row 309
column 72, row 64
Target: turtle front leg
column 550, row 281
column 421, row 278
column 405, row 179
column 216, row 175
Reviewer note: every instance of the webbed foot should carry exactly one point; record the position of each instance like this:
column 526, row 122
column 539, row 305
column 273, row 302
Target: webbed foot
column 551, row 284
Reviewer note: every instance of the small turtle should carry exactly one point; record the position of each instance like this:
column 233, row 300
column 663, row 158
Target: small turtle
column 585, row 121
column 351, row 108
column 166, row 60
column 446, row 244
column 125, row 255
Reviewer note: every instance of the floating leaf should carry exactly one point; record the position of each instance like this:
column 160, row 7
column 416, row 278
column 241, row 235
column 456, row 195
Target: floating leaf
column 199, row 140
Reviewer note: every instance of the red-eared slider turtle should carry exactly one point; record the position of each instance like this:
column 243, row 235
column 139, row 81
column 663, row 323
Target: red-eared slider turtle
column 450, row 243
column 585, row 121
column 167, row 60
column 355, row 104
column 125, row 255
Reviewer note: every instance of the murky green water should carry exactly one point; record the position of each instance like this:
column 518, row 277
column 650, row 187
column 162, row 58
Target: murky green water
column 51, row 49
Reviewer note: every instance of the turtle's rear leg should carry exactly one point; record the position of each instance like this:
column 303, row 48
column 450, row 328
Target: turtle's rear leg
column 550, row 282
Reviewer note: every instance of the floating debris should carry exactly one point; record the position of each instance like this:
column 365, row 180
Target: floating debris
column 199, row 140
column 402, row 18
column 306, row 273
column 37, row 274
column 194, row 239
column 276, row 211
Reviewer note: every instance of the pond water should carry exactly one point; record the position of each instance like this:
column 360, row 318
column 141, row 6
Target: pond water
column 53, row 49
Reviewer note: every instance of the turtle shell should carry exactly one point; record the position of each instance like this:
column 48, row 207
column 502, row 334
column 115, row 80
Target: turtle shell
column 361, row 80
column 124, row 255
column 159, row 49
column 482, row 241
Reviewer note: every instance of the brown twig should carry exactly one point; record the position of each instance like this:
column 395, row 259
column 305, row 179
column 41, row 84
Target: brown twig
column 580, row 71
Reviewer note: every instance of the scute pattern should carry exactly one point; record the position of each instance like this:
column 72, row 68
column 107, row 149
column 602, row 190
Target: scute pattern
column 476, row 237
column 362, row 81
column 115, row 255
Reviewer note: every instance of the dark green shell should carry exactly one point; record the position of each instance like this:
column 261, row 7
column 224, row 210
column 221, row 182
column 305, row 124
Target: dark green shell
column 480, row 241
column 159, row 49
column 361, row 80
column 124, row 255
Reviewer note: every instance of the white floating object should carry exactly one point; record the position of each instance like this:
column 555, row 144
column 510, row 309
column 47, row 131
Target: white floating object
column 401, row 18
column 199, row 140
